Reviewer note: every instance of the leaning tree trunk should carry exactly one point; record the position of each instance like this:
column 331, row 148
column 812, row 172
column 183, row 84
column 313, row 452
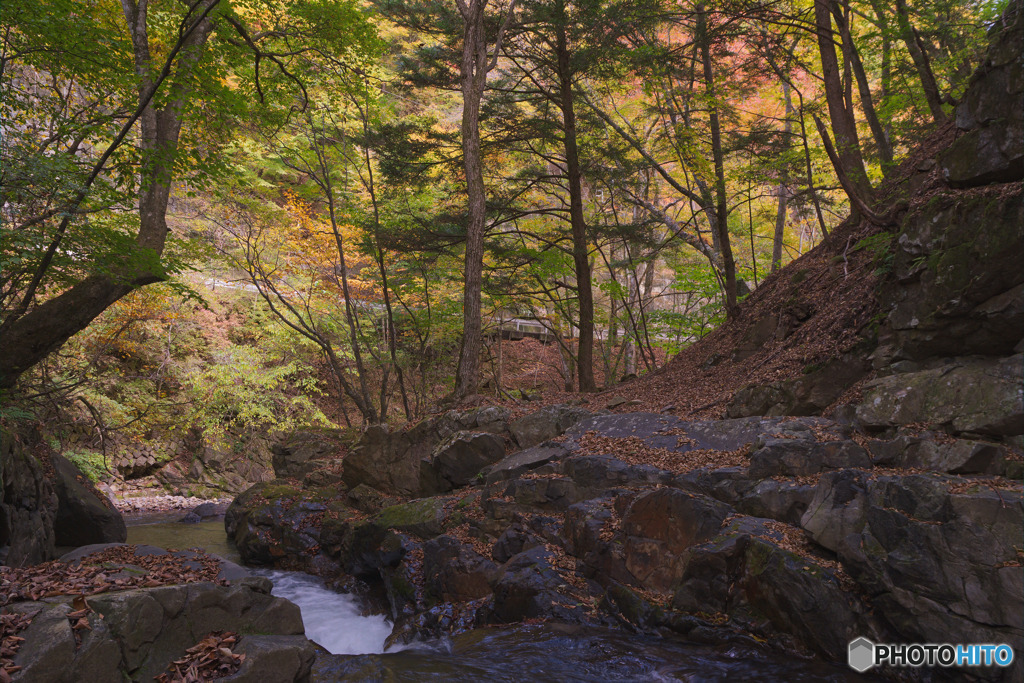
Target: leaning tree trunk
column 29, row 337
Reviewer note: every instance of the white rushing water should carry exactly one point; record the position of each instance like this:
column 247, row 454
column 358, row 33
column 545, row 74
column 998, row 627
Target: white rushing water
column 331, row 619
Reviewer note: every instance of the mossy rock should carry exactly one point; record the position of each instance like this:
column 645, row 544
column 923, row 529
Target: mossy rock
column 424, row 518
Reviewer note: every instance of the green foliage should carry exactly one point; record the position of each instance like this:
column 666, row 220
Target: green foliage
column 241, row 393
column 91, row 463
column 880, row 248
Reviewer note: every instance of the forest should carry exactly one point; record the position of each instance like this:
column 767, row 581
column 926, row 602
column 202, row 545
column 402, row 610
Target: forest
column 511, row 340
column 232, row 218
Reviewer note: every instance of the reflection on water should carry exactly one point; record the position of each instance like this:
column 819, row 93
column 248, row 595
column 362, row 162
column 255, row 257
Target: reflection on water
column 564, row 653
column 209, row 536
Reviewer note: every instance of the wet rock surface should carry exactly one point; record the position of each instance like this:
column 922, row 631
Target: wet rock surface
column 818, row 535
column 135, row 634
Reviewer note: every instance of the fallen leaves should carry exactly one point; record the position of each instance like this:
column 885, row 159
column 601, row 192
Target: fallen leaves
column 114, row 568
column 633, row 450
column 10, row 625
column 210, row 659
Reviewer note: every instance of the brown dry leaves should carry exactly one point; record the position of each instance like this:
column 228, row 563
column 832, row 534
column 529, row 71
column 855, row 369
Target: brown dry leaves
column 101, row 572
column 994, row 483
column 633, row 450
column 208, row 660
column 10, row 626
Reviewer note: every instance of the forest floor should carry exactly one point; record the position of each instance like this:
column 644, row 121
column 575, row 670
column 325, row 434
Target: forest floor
column 826, row 301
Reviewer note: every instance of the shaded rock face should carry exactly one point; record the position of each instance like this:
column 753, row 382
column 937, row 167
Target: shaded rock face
column 659, row 529
column 47, row 502
column 973, row 396
column 524, row 461
column 940, row 558
column 745, row 572
column 807, row 395
column 220, row 466
column 956, row 289
column 392, row 461
column 295, row 455
column 454, row 572
column 546, row 424
column 458, row 460
column 136, row 634
column 84, row 514
column 28, row 504
column 273, row 521
column 991, row 115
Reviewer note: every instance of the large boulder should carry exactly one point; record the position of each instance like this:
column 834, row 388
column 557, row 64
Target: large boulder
column 802, row 457
column 458, row 460
column 454, row 572
column 659, row 529
column 546, row 424
column 523, row 461
column 136, row 634
column 84, row 514
column 424, row 518
column 296, row 454
column 956, row 290
column 938, row 555
column 955, row 456
column 273, row 522
column 808, row 394
column 980, row 396
column 750, row 572
column 390, row 460
column 529, row 586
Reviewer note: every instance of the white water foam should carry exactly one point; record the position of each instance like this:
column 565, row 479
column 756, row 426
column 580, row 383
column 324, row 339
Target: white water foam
column 331, row 619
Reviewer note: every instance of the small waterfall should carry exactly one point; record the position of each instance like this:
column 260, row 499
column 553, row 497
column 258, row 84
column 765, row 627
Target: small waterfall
column 332, row 619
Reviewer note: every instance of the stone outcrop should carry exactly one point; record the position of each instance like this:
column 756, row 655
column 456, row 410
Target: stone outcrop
column 297, row 454
column 991, row 114
column 47, row 502
column 136, row 634
column 975, row 396
column 545, row 424
column 392, row 460
column 84, row 514
column 29, row 505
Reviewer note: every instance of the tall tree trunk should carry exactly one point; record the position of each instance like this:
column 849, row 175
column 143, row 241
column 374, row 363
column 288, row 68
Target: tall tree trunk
column 852, row 58
column 580, row 252
column 721, row 207
column 780, row 213
column 474, row 77
column 844, row 125
column 921, row 62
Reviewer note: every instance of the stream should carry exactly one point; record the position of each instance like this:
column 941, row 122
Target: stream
column 547, row 652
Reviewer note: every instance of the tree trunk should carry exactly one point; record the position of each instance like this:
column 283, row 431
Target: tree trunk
column 921, row 62
column 474, row 78
column 580, row 252
column 721, row 213
column 28, row 338
column 780, row 214
column 852, row 58
column 843, row 124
